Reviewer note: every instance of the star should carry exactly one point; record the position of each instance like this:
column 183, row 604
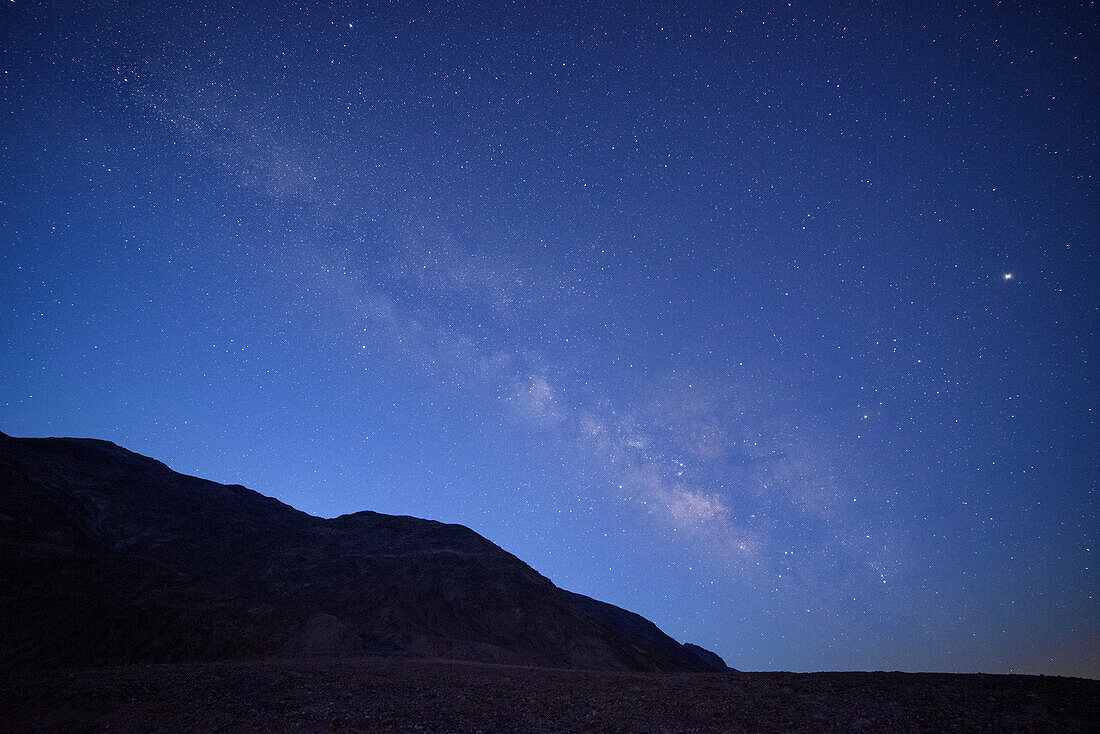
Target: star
column 1008, row 276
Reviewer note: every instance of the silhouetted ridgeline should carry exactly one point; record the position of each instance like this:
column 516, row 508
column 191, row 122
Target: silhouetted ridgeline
column 112, row 558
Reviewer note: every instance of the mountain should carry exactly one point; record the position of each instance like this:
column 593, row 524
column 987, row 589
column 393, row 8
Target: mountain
column 712, row 659
column 111, row 558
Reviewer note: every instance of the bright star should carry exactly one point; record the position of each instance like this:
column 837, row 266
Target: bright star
column 1008, row 276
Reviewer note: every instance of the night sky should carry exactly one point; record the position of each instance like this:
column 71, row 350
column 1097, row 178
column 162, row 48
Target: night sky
column 776, row 324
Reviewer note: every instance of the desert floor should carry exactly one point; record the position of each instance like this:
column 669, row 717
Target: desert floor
column 393, row 695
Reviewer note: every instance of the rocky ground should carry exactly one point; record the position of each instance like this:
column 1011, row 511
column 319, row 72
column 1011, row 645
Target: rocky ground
column 395, row 695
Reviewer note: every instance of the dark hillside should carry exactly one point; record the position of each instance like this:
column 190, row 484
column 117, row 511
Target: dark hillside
column 112, row 558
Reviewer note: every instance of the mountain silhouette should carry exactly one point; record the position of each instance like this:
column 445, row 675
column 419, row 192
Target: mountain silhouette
column 112, row 558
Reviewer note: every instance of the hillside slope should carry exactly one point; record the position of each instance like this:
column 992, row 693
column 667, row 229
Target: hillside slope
column 112, row 558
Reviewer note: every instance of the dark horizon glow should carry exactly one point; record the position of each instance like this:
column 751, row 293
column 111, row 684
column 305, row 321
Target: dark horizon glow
column 776, row 325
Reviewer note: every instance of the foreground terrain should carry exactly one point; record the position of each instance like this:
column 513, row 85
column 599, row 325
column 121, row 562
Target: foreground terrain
column 396, row 695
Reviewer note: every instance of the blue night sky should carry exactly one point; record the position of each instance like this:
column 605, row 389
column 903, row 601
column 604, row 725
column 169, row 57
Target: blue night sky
column 776, row 324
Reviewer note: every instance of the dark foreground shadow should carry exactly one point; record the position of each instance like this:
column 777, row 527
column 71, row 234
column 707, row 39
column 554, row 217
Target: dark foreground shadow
column 395, row 695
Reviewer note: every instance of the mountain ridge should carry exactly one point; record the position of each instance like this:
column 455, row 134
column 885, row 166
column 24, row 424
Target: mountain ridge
column 117, row 559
